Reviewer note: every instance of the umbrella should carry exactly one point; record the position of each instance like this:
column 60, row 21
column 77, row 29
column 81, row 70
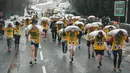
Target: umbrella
column 59, row 22
column 9, row 22
column 95, row 33
column 40, row 28
column 79, row 23
column 75, row 28
column 91, row 25
column 115, row 31
column 20, row 18
column 16, row 16
column 77, row 17
column 99, row 23
column 60, row 31
column 17, row 21
column 109, row 26
column 27, row 18
column 45, row 19
column 91, row 16
column 82, row 19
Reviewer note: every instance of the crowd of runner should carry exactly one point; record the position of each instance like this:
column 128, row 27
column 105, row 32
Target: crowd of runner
column 70, row 31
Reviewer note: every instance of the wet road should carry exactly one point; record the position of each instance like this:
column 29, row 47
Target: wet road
column 52, row 60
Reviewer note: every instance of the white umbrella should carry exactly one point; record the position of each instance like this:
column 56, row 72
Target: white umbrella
column 16, row 16
column 82, row 19
column 109, row 26
column 79, row 23
column 17, row 21
column 45, row 18
column 75, row 28
column 91, row 16
column 69, row 15
column 114, row 32
column 91, row 25
column 99, row 23
column 9, row 22
column 77, row 17
column 20, row 18
column 59, row 22
column 60, row 31
column 40, row 28
column 27, row 18
column 95, row 33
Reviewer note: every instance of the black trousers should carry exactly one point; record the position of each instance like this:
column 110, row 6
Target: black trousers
column 64, row 46
column 59, row 38
column 119, row 53
column 54, row 35
column 9, row 40
column 17, row 39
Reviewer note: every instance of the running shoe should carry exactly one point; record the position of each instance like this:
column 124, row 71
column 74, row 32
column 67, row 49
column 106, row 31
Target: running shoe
column 119, row 69
column 114, row 69
column 9, row 50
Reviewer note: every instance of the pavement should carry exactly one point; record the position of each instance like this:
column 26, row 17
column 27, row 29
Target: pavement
column 52, row 60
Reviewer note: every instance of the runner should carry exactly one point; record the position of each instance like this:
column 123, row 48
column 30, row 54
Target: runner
column 107, row 29
column 81, row 26
column 99, row 45
column 117, row 45
column 27, row 21
column 53, row 29
column 9, row 34
column 59, row 25
column 2, row 24
column 72, row 32
column 17, row 34
column 45, row 24
column 34, row 41
column 88, row 29
column 63, row 36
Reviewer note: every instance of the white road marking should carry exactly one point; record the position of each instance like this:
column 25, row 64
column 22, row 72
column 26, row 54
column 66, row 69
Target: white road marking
column 43, row 69
column 39, row 45
column 41, row 55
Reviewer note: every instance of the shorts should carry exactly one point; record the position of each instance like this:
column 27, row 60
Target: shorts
column 99, row 52
column 89, row 43
column 44, row 30
column 71, row 47
column 36, row 45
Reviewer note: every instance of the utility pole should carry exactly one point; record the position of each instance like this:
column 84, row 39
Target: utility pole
column 126, row 14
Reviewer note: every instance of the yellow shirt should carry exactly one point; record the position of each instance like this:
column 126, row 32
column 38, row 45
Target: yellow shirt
column 17, row 30
column 88, row 38
column 65, row 22
column 63, row 36
column 45, row 25
column 107, row 36
column 116, row 46
column 72, row 39
column 99, row 45
column 34, row 36
column 9, row 32
column 27, row 23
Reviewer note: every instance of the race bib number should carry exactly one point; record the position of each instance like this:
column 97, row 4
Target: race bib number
column 117, row 47
column 99, row 43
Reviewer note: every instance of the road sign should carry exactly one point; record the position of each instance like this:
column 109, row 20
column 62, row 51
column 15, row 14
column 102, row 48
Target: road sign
column 119, row 8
